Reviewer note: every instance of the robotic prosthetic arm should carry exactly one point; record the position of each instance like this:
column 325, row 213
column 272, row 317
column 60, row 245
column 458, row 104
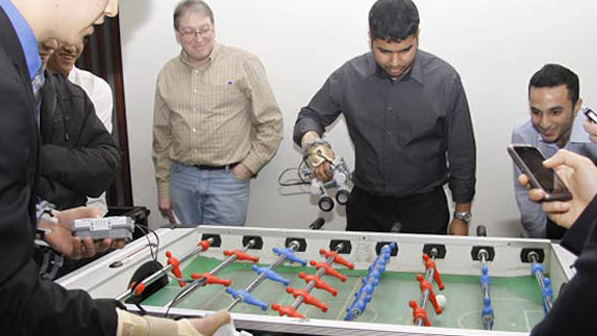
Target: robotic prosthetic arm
column 327, row 171
column 341, row 175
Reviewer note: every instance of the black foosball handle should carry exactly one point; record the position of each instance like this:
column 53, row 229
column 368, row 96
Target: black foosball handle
column 481, row 231
column 317, row 224
column 396, row 228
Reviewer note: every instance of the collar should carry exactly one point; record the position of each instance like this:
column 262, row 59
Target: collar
column 578, row 132
column 214, row 53
column 73, row 73
column 25, row 35
column 415, row 72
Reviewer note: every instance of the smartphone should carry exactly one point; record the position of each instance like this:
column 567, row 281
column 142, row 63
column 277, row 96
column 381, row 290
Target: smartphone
column 592, row 116
column 530, row 161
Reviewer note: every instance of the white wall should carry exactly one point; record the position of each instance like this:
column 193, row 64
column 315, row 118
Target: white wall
column 496, row 45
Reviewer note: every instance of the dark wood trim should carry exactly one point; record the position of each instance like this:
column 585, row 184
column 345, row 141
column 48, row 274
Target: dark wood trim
column 119, row 103
column 103, row 57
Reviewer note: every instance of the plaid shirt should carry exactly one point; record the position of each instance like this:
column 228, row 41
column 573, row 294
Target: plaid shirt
column 220, row 112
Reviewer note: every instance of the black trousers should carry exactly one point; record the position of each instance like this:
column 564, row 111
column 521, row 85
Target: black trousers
column 420, row 213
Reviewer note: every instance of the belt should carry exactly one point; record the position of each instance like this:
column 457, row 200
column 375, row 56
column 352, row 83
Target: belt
column 208, row 167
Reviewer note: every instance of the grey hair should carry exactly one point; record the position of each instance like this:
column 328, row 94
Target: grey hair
column 198, row 6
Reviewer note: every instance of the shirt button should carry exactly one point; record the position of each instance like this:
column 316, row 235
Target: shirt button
column 196, row 71
column 194, row 90
column 390, row 109
column 194, row 130
column 194, row 109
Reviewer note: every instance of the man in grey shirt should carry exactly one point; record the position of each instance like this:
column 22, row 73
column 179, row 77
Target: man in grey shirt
column 408, row 118
column 554, row 123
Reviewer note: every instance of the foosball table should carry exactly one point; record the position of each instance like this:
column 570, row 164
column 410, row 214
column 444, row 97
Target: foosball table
column 310, row 282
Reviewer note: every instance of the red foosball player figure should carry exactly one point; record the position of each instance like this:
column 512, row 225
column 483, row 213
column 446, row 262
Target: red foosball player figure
column 336, row 258
column 286, row 310
column 307, row 298
column 319, row 284
column 211, row 279
column 419, row 313
column 175, row 267
column 204, row 245
column 329, row 270
column 431, row 264
column 426, row 285
column 240, row 255
column 137, row 288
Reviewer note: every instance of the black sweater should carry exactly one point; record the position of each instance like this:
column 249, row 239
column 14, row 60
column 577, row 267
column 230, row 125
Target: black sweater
column 79, row 158
column 29, row 305
column 575, row 308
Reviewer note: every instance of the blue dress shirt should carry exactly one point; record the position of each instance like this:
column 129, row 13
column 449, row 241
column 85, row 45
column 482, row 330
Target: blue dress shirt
column 26, row 37
column 534, row 220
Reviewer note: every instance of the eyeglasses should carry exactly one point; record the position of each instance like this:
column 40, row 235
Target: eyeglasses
column 191, row 34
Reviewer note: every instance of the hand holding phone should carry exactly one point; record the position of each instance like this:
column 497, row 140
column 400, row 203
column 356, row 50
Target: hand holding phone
column 530, row 161
column 592, row 116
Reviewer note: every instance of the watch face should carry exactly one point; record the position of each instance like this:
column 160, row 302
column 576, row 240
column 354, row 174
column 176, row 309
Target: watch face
column 465, row 216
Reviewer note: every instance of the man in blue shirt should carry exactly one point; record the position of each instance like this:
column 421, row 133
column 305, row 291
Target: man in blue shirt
column 555, row 123
column 29, row 305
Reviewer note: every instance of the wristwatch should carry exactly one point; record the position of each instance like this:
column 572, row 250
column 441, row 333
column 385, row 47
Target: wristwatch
column 464, row 216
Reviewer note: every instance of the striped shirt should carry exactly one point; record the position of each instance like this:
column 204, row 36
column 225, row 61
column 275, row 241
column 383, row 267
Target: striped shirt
column 220, row 112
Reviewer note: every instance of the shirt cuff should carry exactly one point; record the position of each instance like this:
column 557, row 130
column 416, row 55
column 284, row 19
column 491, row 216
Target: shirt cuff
column 463, row 191
column 134, row 325
column 575, row 238
column 163, row 190
column 253, row 163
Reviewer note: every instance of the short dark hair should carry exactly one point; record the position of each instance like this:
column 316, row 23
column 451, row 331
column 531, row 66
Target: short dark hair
column 552, row 75
column 194, row 5
column 393, row 20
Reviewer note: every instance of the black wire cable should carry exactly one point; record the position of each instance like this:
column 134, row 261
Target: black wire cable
column 172, row 303
column 142, row 310
column 301, row 179
column 303, row 163
column 146, row 231
column 177, row 297
column 154, row 255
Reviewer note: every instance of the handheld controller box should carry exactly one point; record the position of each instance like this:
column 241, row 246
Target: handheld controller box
column 118, row 227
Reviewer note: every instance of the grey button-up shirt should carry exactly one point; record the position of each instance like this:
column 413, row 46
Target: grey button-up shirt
column 533, row 220
column 410, row 136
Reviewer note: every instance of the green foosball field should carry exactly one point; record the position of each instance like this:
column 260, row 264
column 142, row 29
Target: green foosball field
column 519, row 296
column 515, row 294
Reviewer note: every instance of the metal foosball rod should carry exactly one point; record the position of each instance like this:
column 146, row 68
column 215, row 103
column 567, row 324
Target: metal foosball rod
column 428, row 278
column 293, row 247
column 202, row 246
column 299, row 300
column 422, row 304
column 199, row 282
column 485, row 282
column 314, row 281
column 363, row 295
column 544, row 283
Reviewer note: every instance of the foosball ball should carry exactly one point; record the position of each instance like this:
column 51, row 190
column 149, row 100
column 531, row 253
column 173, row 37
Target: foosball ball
column 335, row 283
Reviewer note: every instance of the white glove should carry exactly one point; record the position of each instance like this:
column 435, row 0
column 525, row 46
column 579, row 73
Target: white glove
column 229, row 330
